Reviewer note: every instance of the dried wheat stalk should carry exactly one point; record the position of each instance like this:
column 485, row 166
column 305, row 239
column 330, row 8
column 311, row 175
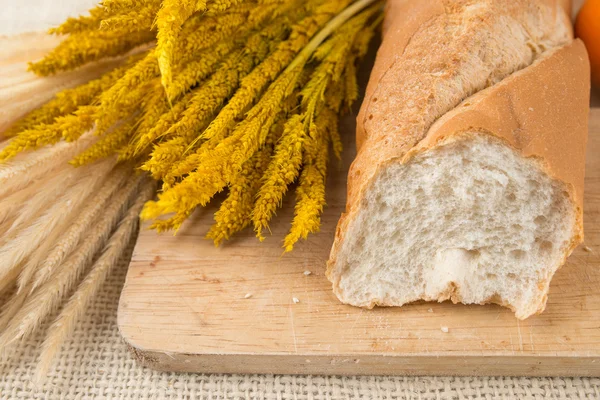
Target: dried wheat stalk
column 78, row 303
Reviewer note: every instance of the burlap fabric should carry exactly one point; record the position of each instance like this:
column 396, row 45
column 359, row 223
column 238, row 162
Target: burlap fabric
column 95, row 363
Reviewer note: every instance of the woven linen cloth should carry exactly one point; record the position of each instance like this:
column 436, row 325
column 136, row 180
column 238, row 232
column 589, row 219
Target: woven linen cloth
column 95, row 363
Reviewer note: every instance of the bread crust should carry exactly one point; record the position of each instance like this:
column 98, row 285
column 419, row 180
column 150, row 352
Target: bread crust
column 529, row 112
column 526, row 109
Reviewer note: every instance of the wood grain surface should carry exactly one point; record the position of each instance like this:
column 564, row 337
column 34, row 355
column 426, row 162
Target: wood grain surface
column 184, row 307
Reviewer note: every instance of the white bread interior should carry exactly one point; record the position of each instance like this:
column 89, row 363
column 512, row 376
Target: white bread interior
column 470, row 221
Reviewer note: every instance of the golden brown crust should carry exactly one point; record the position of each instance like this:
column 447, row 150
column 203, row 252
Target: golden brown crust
column 397, row 118
column 402, row 20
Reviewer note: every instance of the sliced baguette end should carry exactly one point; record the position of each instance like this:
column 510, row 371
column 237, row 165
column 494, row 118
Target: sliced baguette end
column 470, row 221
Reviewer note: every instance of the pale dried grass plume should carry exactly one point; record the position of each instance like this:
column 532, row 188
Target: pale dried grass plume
column 101, row 269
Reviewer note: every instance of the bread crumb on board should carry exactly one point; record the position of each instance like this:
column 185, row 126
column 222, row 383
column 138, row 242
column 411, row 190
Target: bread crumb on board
column 248, row 295
column 587, row 248
column 295, row 300
column 430, row 310
column 445, row 329
column 307, row 272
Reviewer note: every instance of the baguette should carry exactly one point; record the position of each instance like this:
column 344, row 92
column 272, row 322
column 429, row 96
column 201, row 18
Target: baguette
column 468, row 181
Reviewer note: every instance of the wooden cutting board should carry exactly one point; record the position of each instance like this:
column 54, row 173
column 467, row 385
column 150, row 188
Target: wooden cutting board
column 184, row 307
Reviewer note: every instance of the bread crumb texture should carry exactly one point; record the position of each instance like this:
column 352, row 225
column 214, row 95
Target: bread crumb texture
column 470, row 221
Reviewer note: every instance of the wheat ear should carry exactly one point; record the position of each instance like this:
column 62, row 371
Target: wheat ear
column 22, row 207
column 13, row 252
column 30, row 265
column 10, row 205
column 11, row 307
column 9, row 280
column 48, row 194
column 30, row 209
column 103, row 224
column 43, row 263
column 48, row 189
column 47, row 297
column 29, row 166
column 87, row 290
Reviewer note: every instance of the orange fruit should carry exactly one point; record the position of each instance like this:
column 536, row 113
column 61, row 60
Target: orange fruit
column 587, row 28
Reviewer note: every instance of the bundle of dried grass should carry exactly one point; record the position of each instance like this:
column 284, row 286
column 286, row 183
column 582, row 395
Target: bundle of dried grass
column 64, row 240
column 198, row 110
